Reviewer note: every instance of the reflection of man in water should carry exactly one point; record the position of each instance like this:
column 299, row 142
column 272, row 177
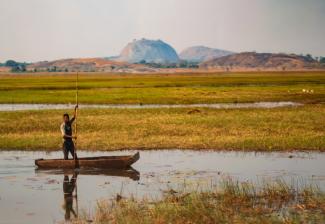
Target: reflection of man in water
column 68, row 188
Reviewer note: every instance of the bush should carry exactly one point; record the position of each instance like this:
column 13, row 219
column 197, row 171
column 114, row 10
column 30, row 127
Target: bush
column 322, row 60
column 11, row 63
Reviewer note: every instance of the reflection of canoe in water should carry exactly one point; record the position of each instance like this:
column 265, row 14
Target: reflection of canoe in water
column 130, row 172
column 102, row 162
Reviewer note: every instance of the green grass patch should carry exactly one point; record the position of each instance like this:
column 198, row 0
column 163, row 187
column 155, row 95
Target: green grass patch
column 164, row 88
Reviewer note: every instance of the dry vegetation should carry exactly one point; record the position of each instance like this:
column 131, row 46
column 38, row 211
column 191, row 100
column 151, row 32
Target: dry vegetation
column 232, row 129
column 232, row 203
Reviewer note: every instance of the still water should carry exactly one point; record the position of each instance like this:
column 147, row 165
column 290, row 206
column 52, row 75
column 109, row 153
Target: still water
column 28, row 195
column 17, row 107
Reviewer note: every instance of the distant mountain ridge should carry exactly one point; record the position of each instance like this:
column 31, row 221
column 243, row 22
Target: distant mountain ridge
column 87, row 65
column 253, row 60
column 148, row 51
column 202, row 53
column 144, row 55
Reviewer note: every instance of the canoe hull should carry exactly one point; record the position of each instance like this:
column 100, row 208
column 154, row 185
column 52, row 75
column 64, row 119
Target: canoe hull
column 102, row 162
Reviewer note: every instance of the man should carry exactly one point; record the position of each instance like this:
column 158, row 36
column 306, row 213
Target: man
column 66, row 130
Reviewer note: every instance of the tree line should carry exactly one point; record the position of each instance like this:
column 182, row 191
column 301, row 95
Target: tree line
column 22, row 66
column 15, row 66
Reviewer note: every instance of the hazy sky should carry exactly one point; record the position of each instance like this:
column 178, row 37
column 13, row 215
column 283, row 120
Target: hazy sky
column 33, row 30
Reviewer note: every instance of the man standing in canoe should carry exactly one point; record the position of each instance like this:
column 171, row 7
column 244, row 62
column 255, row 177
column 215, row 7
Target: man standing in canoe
column 66, row 130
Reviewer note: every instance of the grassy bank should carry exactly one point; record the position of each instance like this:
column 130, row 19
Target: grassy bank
column 298, row 128
column 233, row 203
column 164, row 88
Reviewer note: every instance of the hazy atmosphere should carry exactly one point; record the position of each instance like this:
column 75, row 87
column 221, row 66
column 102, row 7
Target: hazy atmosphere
column 37, row 30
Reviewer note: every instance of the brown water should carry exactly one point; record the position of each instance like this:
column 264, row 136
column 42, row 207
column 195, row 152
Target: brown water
column 31, row 196
column 17, row 107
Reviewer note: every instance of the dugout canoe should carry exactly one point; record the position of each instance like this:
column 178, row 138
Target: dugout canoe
column 102, row 162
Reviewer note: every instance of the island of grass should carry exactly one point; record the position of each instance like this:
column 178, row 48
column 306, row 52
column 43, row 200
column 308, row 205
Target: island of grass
column 96, row 88
column 281, row 129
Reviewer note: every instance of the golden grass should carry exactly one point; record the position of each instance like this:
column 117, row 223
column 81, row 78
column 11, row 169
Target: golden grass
column 112, row 129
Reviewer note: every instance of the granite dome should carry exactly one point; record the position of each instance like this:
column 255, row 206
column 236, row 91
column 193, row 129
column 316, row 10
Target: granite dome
column 149, row 51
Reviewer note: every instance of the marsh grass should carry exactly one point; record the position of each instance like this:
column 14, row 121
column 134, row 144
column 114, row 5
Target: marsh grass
column 233, row 202
column 112, row 129
column 226, row 129
column 164, row 88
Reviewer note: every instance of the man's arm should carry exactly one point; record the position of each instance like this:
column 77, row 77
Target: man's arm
column 63, row 132
column 74, row 114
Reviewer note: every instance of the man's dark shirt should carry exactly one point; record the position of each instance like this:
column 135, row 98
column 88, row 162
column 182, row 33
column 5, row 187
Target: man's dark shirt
column 66, row 129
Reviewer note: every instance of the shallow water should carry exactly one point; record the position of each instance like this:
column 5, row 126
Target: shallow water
column 18, row 107
column 31, row 196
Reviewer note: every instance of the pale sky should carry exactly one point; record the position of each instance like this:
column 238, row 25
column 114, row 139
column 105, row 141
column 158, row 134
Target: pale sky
column 34, row 30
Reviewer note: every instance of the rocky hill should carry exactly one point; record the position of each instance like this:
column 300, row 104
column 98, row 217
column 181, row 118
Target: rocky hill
column 202, row 54
column 266, row 61
column 148, row 51
column 87, row 65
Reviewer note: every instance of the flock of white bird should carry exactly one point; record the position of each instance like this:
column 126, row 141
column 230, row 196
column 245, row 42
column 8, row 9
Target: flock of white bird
column 307, row 90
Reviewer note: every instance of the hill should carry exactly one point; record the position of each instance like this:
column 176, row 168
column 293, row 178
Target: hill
column 202, row 53
column 87, row 65
column 148, row 51
column 263, row 61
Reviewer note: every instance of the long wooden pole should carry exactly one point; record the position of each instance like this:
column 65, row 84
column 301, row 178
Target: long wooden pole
column 75, row 148
column 76, row 117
